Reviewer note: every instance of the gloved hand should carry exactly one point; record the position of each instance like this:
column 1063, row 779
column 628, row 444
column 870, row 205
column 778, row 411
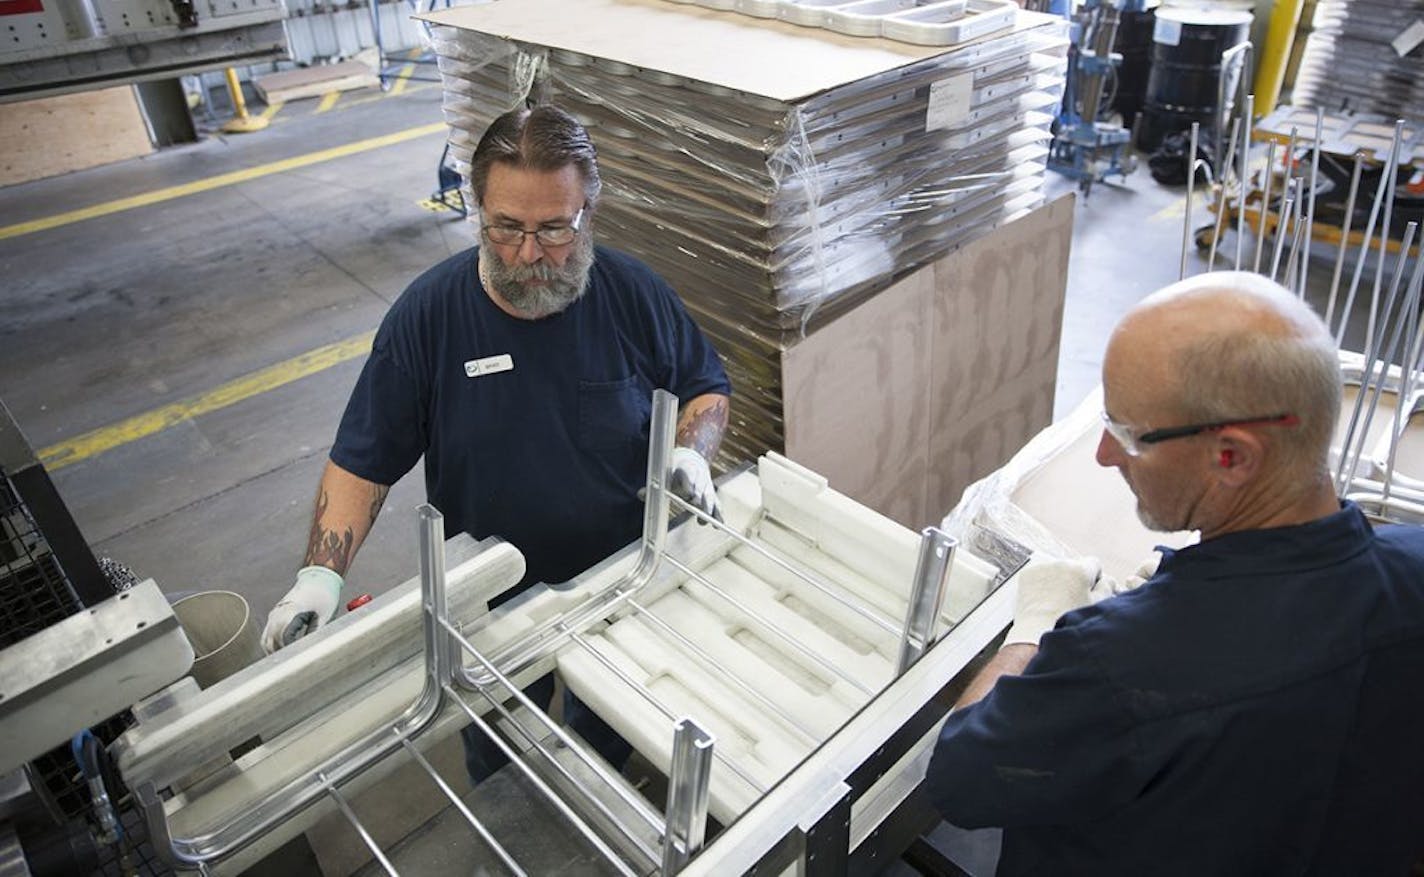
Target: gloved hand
column 691, row 479
column 1047, row 589
column 1107, row 586
column 308, row 605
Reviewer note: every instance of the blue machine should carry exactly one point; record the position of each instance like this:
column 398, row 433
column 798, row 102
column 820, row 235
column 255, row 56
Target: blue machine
column 1085, row 148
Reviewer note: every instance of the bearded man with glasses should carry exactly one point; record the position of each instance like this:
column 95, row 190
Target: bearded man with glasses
column 1253, row 707
column 522, row 370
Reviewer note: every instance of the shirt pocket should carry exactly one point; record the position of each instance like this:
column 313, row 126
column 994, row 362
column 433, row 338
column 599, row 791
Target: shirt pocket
column 613, row 414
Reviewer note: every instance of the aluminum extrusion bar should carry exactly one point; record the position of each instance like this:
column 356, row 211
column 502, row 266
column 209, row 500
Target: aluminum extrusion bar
column 1191, row 185
column 688, row 788
column 1314, row 184
column 1389, row 188
column 1344, row 238
column 1243, row 174
column 1389, row 170
column 549, row 794
column 464, row 810
column 1287, row 209
column 771, row 626
column 635, row 803
column 1268, row 177
column 1222, row 220
column 926, row 595
column 351, row 817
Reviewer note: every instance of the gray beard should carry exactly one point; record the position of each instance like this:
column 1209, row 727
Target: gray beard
column 561, row 287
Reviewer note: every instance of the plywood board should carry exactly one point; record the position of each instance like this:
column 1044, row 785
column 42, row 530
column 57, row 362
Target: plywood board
column 764, row 57
column 315, row 81
column 934, row 383
column 998, row 318
column 56, row 135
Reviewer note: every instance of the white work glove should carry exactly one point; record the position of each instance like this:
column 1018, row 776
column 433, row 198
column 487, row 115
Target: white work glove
column 1047, row 589
column 307, row 606
column 691, row 479
column 1107, row 586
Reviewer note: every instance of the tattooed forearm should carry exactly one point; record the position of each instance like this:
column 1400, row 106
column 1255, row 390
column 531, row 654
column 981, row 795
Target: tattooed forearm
column 702, row 423
column 377, row 500
column 328, row 548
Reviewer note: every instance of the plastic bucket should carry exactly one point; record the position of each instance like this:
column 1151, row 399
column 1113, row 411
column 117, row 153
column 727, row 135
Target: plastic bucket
column 223, row 632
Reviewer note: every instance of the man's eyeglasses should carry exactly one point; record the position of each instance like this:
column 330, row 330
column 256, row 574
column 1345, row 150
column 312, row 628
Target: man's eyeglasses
column 1134, row 444
column 546, row 235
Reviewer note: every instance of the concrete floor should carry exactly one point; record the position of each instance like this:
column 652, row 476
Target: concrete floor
column 118, row 316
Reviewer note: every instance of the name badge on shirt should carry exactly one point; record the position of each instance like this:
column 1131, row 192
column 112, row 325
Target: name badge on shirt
column 478, row 368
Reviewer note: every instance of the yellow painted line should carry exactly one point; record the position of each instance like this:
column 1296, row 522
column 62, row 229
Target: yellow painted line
column 1176, row 210
column 139, row 426
column 272, row 109
column 402, row 79
column 158, row 196
column 328, row 101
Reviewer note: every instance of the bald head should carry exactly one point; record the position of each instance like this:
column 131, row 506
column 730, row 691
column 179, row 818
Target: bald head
column 1232, row 345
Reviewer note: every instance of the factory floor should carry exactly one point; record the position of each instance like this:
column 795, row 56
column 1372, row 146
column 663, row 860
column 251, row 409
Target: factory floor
column 179, row 333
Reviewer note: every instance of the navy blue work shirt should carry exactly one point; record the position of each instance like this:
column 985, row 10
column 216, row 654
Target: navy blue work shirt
column 532, row 430
column 1255, row 708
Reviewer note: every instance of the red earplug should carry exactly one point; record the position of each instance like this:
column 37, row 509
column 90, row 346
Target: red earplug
column 1226, row 458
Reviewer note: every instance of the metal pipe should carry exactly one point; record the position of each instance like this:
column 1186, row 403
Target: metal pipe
column 771, row 626
column 1244, row 49
column 1369, row 234
column 1283, row 223
column 688, row 788
column 1344, row 238
column 635, row 802
column 1388, row 182
column 1406, row 388
column 657, row 704
column 1293, row 263
column 549, row 794
column 926, row 595
column 459, row 805
column 360, row 829
column 1222, row 221
column 1310, row 210
column 725, row 673
column 1191, row 183
column 1244, row 174
column 1349, row 463
column 1269, row 175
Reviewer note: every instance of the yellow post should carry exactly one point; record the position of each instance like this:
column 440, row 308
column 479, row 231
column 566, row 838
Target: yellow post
column 1280, row 35
column 241, row 123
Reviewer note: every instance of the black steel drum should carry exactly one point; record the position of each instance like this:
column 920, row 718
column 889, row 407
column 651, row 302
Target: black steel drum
column 1187, row 45
column 1134, row 43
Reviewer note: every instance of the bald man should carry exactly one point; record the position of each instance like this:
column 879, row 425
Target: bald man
column 1257, row 705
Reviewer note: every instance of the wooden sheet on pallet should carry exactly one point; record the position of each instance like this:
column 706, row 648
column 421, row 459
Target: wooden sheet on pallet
column 56, row 135
column 934, row 383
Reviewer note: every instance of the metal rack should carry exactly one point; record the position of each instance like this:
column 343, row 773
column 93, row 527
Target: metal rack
column 594, row 802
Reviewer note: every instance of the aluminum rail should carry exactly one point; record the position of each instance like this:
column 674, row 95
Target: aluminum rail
column 307, row 789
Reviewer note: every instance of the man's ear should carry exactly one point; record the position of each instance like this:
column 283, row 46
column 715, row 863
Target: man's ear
column 1237, row 456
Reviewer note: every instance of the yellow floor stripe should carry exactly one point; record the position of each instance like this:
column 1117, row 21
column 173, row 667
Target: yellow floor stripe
column 403, row 79
column 158, row 196
column 105, row 438
column 1176, row 209
column 272, row 109
column 328, row 101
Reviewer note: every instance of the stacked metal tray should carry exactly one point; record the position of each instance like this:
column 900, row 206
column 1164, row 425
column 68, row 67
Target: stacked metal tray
column 1353, row 62
column 763, row 213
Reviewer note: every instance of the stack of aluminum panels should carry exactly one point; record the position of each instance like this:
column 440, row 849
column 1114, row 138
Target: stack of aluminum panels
column 1365, row 56
column 764, row 211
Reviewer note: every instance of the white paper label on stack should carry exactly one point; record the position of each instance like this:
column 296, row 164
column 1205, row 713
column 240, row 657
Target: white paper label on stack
column 1409, row 38
column 949, row 102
